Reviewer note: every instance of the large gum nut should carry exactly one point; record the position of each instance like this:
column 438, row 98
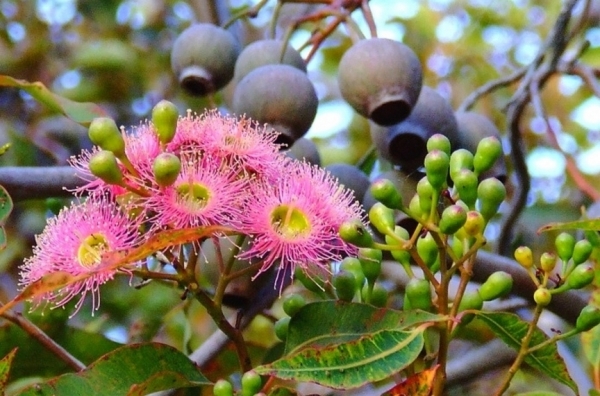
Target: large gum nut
column 266, row 52
column 472, row 127
column 304, row 149
column 203, row 58
column 351, row 177
column 279, row 95
column 381, row 79
column 405, row 143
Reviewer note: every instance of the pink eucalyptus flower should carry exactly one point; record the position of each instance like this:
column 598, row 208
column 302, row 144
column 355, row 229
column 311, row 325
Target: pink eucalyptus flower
column 240, row 144
column 204, row 193
column 295, row 221
column 75, row 242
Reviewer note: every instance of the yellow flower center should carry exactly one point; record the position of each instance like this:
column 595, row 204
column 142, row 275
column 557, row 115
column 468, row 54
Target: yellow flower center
column 289, row 221
column 194, row 194
column 90, row 251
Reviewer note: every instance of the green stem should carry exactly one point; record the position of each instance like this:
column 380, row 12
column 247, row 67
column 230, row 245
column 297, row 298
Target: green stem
column 552, row 340
column 224, row 278
column 523, row 351
column 230, row 331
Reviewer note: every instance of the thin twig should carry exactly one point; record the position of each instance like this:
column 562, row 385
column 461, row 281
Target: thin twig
column 489, row 87
column 44, row 339
column 537, row 75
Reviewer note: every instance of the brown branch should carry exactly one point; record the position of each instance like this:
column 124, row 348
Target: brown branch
column 45, row 340
column 39, row 182
column 537, row 75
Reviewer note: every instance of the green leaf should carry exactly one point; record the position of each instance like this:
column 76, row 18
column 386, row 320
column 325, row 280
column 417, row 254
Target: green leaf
column 6, row 205
column 330, row 322
column 348, row 365
column 538, row 393
column 419, row 384
column 590, row 342
column 585, row 225
column 130, row 370
column 2, row 238
column 5, row 364
column 82, row 113
column 511, row 329
column 34, row 358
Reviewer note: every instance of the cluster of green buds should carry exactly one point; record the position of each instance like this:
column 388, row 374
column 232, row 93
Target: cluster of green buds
column 251, row 385
column 292, row 303
column 452, row 204
column 111, row 160
column 574, row 273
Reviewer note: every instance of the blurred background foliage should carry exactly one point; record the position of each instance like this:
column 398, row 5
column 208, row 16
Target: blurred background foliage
column 116, row 53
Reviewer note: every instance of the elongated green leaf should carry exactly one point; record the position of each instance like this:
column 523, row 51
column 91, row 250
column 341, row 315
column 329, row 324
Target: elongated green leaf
column 129, row 370
column 331, row 322
column 82, row 113
column 370, row 358
column 585, row 225
column 5, row 365
column 590, row 341
column 419, row 384
column 6, row 205
column 511, row 329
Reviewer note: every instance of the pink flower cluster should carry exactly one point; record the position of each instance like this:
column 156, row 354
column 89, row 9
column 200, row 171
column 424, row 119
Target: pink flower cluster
column 232, row 174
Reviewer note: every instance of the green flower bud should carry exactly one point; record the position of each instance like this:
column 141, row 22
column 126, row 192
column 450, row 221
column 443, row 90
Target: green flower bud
column 401, row 256
column 166, row 169
column 418, row 293
column 564, row 243
column 488, row 152
column 103, row 165
column 223, row 388
column 588, row 318
column 475, row 223
column 315, row 284
column 292, row 303
column 436, row 168
column 352, row 264
column 582, row 251
column 382, row 218
column 547, row 262
column 459, row 160
column 425, row 191
column 345, row 284
column 251, row 383
column 415, row 208
column 427, row 249
column 524, row 256
column 379, row 295
column 370, row 261
column 581, row 276
column 542, row 296
column 497, row 285
column 465, row 184
column 386, row 192
column 354, row 232
column 281, row 327
column 104, row 133
column 453, row 218
column 491, row 193
column 469, row 300
column 164, row 118
column 439, row 142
